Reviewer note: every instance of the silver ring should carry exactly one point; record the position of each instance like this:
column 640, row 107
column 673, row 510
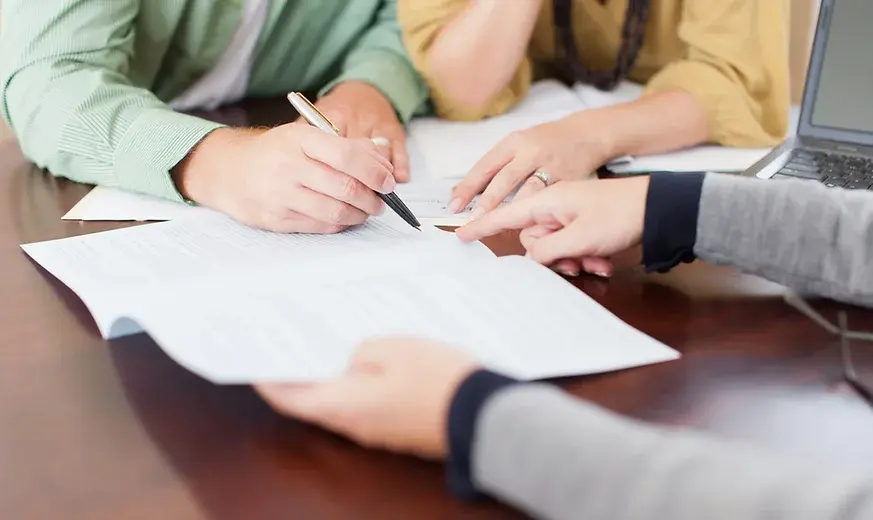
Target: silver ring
column 381, row 141
column 543, row 176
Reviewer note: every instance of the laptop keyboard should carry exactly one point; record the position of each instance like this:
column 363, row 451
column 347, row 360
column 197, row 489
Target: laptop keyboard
column 833, row 170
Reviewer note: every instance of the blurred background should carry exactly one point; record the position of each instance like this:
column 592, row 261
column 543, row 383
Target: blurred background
column 803, row 17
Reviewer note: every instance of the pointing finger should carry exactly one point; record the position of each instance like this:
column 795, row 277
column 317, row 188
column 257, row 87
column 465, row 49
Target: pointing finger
column 480, row 175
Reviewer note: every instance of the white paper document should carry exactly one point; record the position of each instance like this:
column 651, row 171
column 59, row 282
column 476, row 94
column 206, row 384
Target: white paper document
column 451, row 148
column 113, row 205
column 238, row 305
column 428, row 199
column 697, row 159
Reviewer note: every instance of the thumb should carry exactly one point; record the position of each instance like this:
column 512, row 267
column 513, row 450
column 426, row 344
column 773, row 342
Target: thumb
column 317, row 403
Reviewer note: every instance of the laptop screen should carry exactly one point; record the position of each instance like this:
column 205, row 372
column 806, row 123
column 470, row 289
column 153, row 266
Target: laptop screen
column 844, row 98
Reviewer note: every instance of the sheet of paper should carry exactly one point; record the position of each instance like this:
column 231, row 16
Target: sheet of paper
column 697, row 159
column 107, row 269
column 428, row 198
column 116, row 205
column 451, row 148
column 237, row 305
column 592, row 97
column 112, row 204
column 295, row 328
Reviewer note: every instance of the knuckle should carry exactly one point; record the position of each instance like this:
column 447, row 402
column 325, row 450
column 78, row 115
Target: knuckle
column 536, row 153
column 351, row 188
column 346, row 155
column 376, row 173
column 463, row 189
column 367, row 146
column 516, row 137
column 284, row 214
column 339, row 214
column 487, row 201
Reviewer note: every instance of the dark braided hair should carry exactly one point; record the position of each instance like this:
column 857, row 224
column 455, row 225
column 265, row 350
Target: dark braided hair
column 631, row 40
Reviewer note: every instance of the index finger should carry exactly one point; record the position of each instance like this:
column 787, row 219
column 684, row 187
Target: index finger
column 480, row 175
column 530, row 187
column 515, row 215
column 357, row 158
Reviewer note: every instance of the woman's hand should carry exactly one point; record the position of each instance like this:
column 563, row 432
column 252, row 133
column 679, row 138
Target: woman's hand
column 583, row 222
column 568, row 149
column 395, row 396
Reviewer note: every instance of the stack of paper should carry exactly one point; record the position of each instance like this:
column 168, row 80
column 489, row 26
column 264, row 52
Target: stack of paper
column 238, row 305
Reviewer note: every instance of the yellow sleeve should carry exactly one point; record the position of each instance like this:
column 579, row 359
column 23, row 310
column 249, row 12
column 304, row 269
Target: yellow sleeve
column 736, row 65
column 421, row 21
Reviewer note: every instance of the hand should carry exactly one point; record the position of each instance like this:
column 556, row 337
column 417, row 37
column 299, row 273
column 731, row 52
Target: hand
column 359, row 110
column 587, row 222
column 568, row 149
column 292, row 178
column 395, row 396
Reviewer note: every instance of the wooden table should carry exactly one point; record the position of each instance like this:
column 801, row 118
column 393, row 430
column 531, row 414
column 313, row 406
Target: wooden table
column 94, row 429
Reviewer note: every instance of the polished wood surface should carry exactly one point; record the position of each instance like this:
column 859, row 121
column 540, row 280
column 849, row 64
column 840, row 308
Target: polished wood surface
column 94, row 429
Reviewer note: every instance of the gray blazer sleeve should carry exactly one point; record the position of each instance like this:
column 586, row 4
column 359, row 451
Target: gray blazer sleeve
column 797, row 233
column 557, row 458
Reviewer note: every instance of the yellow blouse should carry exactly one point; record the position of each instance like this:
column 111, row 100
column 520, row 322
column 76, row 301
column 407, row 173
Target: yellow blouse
column 732, row 55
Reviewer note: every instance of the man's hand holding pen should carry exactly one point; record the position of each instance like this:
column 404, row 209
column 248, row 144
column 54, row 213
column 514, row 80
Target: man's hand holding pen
column 291, row 179
column 314, row 117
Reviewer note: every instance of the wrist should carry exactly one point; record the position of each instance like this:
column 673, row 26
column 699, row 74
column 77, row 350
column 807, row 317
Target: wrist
column 198, row 176
column 601, row 133
column 354, row 86
column 466, row 406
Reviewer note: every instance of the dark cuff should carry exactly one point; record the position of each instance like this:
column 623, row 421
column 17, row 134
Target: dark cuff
column 463, row 413
column 670, row 226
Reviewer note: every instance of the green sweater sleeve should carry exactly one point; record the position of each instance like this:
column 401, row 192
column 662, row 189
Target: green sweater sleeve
column 67, row 94
column 380, row 59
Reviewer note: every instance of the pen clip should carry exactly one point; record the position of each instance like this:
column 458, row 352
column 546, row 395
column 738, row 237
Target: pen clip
column 316, row 111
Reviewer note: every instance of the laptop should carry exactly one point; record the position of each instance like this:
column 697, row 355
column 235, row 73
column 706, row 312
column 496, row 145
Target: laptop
column 834, row 141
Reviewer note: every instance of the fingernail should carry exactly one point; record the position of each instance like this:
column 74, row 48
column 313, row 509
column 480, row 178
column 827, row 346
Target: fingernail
column 381, row 210
column 389, row 185
column 455, row 205
column 478, row 212
column 601, row 274
column 568, row 272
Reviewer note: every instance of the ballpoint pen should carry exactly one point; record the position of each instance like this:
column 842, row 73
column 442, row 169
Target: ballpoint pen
column 314, row 117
